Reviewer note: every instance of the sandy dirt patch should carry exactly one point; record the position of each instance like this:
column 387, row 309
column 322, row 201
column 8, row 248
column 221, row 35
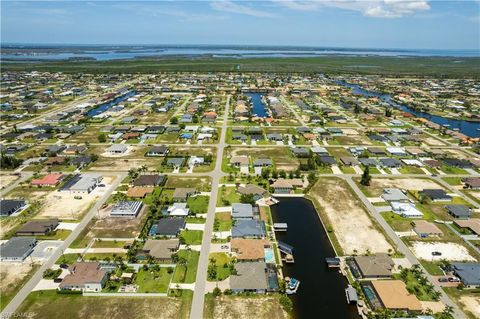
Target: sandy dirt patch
column 241, row 307
column 117, row 227
column 449, row 251
column 435, row 306
column 11, row 274
column 359, row 236
column 471, row 304
column 64, row 205
column 433, row 141
column 7, row 179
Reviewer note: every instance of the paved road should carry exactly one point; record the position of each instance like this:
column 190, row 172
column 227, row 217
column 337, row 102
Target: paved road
column 401, row 247
column 196, row 311
column 30, row 285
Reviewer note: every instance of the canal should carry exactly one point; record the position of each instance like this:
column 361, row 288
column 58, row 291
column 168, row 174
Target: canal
column 99, row 109
column 321, row 293
column 258, row 107
column 468, row 128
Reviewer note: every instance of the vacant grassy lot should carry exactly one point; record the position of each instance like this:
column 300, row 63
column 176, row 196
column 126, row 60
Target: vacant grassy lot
column 227, row 196
column 49, row 304
column 198, row 204
column 221, row 263
column 192, row 237
column 187, row 272
column 234, row 307
column 200, row 183
column 152, row 280
column 281, row 156
column 12, row 278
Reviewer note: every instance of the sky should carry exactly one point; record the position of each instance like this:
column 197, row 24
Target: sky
column 402, row 24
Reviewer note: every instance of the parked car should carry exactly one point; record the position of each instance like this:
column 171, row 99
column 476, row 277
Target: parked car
column 453, row 279
column 436, row 253
column 64, row 266
column 101, row 185
column 443, row 279
column 57, row 280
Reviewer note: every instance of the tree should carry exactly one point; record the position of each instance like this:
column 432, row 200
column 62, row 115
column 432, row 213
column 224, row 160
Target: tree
column 366, row 178
column 9, row 162
column 102, row 138
column 247, row 199
column 217, row 292
column 174, row 120
column 286, row 303
column 388, row 112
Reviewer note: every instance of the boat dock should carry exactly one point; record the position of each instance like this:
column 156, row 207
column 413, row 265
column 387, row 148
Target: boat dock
column 280, row 226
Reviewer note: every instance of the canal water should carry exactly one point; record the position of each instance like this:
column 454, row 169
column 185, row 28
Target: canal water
column 105, row 106
column 466, row 127
column 321, row 293
column 258, row 107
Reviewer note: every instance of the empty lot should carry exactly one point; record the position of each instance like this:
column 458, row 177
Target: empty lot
column 449, row 251
column 351, row 224
column 234, row 307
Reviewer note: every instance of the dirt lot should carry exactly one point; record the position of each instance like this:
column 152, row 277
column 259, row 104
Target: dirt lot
column 134, row 157
column 200, row 183
column 471, row 304
column 449, row 251
column 12, row 276
column 117, row 227
column 63, row 205
column 7, row 179
column 280, row 156
column 233, row 307
column 359, row 236
column 378, row 184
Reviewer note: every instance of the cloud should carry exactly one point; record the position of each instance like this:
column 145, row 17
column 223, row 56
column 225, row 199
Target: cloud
column 369, row 8
column 233, row 7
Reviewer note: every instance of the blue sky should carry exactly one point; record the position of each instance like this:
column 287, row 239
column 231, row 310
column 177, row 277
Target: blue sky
column 428, row 24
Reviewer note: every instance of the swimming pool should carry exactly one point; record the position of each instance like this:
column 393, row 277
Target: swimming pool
column 371, row 297
column 269, row 256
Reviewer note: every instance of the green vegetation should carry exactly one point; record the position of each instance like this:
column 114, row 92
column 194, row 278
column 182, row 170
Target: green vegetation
column 186, row 269
column 198, row 204
column 418, row 284
column 153, row 280
column 221, row 267
column 191, row 237
column 52, row 274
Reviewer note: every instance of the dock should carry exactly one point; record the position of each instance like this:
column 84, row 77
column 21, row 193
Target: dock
column 280, row 226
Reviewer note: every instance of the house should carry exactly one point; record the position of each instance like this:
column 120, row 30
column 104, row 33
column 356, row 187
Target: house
column 239, row 137
column 248, row 228
column 161, row 249
column 239, row 161
column 80, row 161
column 472, row 224
column 178, row 209
column 349, row 161
column 139, row 191
column 376, row 151
column 459, row 211
column 396, row 151
column 426, row 229
column 300, row 152
column 168, row 227
column 175, row 162
column 117, row 149
column 326, row 160
column 48, row 180
column 406, row 210
column 275, row 137
column 251, row 189
column 250, row 276
column 242, row 211
column 394, row 195
column 390, row 162
column 393, row 295
column 436, row 195
column 468, row 273
column 472, row 182
column 375, row 266
column 161, row 150
column 249, row 249
column 369, row 162
column 126, row 209
column 320, row 151
column 181, row 194
column 56, row 160
column 11, row 206
column 37, row 227
column 195, row 160
column 75, row 149
column 262, row 162
column 285, row 186
column 149, row 180
column 16, row 249
column 84, row 276
column 82, row 183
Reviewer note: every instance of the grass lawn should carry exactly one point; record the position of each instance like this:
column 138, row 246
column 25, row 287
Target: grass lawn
column 192, row 237
column 227, row 196
column 347, row 170
column 67, row 259
column 49, row 304
column 411, row 170
column 397, row 222
column 153, row 281
column 415, row 286
column 432, row 267
column 198, row 204
column 108, row 244
column 453, row 170
column 221, row 263
column 200, row 183
column 188, row 272
column 60, row 234
column 223, row 221
column 453, row 180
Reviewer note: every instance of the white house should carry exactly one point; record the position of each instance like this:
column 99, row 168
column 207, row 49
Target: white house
column 406, row 210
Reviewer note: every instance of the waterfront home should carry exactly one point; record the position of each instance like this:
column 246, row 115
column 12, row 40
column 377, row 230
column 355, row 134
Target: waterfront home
column 468, row 273
column 128, row 209
column 436, row 195
column 250, row 189
column 248, row 228
column 374, row 266
column 459, row 211
column 250, row 276
column 286, row 186
column 249, row 249
column 84, row 276
column 16, row 249
column 37, row 227
column 406, row 210
column 394, row 295
column 11, row 206
column 242, row 211
column 426, row 229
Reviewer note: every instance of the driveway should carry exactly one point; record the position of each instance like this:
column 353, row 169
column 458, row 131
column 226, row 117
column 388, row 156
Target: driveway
column 45, row 249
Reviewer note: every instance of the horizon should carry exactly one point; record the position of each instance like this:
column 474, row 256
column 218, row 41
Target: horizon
column 373, row 24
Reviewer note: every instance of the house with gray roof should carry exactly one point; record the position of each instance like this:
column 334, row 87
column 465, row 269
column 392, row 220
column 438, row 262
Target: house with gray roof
column 394, row 195
column 242, row 211
column 469, row 274
column 16, row 249
column 459, row 211
column 436, row 195
column 262, row 162
column 248, row 228
column 250, row 276
column 168, row 227
column 11, row 206
column 368, row 161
